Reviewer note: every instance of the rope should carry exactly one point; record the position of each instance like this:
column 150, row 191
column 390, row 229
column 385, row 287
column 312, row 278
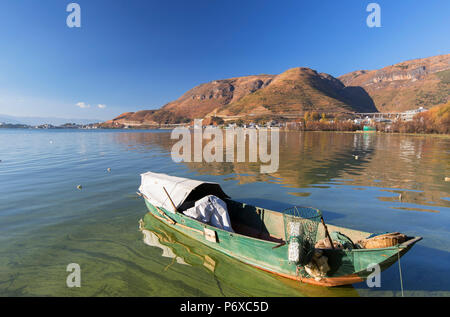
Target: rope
column 298, row 274
column 400, row 271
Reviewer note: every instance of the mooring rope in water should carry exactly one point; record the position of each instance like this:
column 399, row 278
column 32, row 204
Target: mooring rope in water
column 400, row 271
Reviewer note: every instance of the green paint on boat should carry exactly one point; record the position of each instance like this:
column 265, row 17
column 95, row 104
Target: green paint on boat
column 368, row 128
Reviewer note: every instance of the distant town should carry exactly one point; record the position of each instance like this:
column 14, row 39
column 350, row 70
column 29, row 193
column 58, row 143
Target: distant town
column 48, row 126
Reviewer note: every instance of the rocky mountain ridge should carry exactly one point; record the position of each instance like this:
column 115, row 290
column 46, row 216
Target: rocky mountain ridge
column 404, row 86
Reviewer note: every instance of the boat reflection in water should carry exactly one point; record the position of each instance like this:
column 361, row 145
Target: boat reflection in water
column 228, row 273
column 152, row 239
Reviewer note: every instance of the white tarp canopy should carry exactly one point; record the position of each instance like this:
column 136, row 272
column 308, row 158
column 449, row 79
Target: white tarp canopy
column 183, row 191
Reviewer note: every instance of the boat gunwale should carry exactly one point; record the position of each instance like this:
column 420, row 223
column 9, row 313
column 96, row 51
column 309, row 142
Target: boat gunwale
column 408, row 243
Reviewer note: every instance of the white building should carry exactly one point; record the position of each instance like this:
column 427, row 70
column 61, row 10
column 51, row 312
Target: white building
column 409, row 115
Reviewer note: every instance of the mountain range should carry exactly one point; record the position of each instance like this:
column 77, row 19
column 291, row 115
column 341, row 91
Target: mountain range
column 43, row 120
column 416, row 83
column 404, row 86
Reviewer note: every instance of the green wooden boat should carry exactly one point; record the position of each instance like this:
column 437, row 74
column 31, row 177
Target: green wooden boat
column 368, row 128
column 259, row 237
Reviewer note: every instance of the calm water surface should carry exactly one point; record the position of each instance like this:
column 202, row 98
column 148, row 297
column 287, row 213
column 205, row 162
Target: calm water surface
column 396, row 184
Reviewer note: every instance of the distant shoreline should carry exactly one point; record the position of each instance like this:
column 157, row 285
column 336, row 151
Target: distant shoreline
column 281, row 130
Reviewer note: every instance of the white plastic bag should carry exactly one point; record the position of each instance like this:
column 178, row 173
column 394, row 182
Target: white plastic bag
column 219, row 216
column 213, row 210
column 193, row 213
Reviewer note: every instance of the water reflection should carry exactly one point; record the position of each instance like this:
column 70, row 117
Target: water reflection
column 412, row 167
column 152, row 239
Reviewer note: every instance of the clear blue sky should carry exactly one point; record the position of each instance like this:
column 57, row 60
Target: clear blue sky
column 133, row 54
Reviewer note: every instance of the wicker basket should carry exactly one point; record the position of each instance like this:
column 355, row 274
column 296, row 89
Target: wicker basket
column 383, row 241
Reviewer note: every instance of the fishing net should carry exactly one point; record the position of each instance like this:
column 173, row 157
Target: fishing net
column 300, row 227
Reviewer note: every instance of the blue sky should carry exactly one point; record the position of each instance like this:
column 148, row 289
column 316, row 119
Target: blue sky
column 132, row 55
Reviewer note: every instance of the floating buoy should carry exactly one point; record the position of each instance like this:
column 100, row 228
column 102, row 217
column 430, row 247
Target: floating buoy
column 51, row 142
column 108, row 169
column 356, row 157
column 79, row 187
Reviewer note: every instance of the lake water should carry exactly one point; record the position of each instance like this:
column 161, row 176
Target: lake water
column 396, row 184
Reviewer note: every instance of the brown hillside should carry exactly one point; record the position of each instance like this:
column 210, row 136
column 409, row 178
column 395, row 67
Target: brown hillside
column 132, row 119
column 200, row 101
column 209, row 97
column 298, row 90
column 416, row 83
column 292, row 92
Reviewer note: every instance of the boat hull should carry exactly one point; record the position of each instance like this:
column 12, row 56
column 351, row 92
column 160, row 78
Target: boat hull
column 347, row 266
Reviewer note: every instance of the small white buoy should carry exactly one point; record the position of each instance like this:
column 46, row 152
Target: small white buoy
column 356, row 157
column 51, row 142
column 79, row 187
